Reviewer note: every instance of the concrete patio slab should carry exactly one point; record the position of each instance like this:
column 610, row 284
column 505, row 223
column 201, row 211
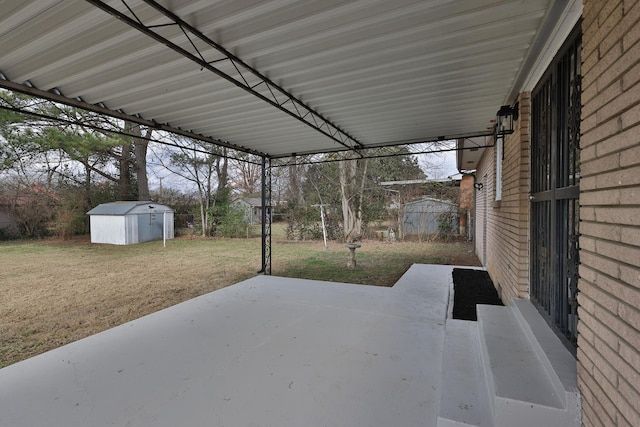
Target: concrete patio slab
column 269, row 351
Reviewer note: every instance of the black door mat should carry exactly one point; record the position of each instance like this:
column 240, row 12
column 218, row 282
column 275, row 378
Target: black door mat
column 472, row 287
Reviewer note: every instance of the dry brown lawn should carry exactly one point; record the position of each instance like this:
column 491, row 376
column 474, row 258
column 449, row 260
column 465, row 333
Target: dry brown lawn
column 55, row 292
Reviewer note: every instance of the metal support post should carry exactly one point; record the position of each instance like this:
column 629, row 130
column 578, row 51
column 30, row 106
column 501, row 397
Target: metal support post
column 266, row 216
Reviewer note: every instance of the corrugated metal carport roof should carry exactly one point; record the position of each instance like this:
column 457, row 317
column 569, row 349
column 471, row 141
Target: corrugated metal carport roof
column 378, row 72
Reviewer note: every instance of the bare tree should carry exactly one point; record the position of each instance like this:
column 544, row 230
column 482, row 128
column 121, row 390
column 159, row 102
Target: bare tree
column 140, row 147
column 222, row 167
column 294, row 194
column 247, row 173
column 195, row 162
column 353, row 174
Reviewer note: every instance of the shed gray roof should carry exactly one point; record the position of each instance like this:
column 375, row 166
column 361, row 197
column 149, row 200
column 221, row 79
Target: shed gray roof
column 431, row 200
column 122, row 208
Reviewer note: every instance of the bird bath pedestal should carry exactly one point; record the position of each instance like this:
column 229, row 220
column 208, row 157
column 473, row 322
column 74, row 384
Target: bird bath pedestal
column 352, row 252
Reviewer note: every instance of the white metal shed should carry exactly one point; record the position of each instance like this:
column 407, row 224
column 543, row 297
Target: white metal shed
column 130, row 222
column 429, row 216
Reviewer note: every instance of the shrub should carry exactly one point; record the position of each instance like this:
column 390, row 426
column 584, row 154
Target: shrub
column 231, row 221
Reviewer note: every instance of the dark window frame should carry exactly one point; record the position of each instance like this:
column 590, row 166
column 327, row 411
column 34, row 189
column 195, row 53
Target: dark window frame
column 555, row 190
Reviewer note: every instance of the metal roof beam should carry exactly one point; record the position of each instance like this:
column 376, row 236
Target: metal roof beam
column 56, row 96
column 287, row 103
column 427, row 140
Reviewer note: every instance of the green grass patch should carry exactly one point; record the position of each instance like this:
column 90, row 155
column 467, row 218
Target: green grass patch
column 377, row 263
column 53, row 292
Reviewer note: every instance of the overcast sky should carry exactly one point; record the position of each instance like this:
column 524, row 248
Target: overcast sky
column 440, row 165
column 435, row 165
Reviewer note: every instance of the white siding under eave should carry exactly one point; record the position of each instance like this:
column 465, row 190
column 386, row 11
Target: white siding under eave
column 108, row 229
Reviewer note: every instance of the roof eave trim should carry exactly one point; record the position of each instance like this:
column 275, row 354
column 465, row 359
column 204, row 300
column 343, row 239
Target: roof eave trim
column 555, row 28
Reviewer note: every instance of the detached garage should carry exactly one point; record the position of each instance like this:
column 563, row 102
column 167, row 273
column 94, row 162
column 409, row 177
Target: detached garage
column 130, row 222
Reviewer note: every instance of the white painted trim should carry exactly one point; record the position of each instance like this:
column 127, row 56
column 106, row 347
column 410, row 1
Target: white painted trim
column 498, row 176
column 565, row 24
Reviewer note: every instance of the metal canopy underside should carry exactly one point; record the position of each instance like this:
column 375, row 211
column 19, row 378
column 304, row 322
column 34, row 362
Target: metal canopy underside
column 353, row 74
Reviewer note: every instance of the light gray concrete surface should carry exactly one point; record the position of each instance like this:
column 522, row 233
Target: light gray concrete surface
column 512, row 360
column 524, row 382
column 464, row 400
column 269, row 351
column 559, row 363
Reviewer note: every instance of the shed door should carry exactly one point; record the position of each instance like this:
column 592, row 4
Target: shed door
column 555, row 127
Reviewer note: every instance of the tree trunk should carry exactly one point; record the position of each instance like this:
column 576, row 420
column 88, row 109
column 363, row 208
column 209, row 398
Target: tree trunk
column 124, row 180
column 140, row 145
column 203, row 216
column 296, row 194
column 87, row 177
column 363, row 175
column 352, row 193
column 222, row 169
column 295, row 201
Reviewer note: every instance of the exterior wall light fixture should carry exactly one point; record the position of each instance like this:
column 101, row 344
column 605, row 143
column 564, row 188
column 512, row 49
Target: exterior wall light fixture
column 505, row 117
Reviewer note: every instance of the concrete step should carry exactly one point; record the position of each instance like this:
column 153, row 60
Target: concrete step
column 464, row 399
column 559, row 363
column 524, row 389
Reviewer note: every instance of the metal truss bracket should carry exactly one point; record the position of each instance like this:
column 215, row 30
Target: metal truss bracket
column 241, row 74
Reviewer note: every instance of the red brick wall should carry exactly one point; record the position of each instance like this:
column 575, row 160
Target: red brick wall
column 505, row 251
column 609, row 287
column 466, row 192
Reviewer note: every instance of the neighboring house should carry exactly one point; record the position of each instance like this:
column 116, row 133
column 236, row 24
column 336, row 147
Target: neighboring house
column 130, row 222
column 558, row 201
column 252, row 208
column 429, row 216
